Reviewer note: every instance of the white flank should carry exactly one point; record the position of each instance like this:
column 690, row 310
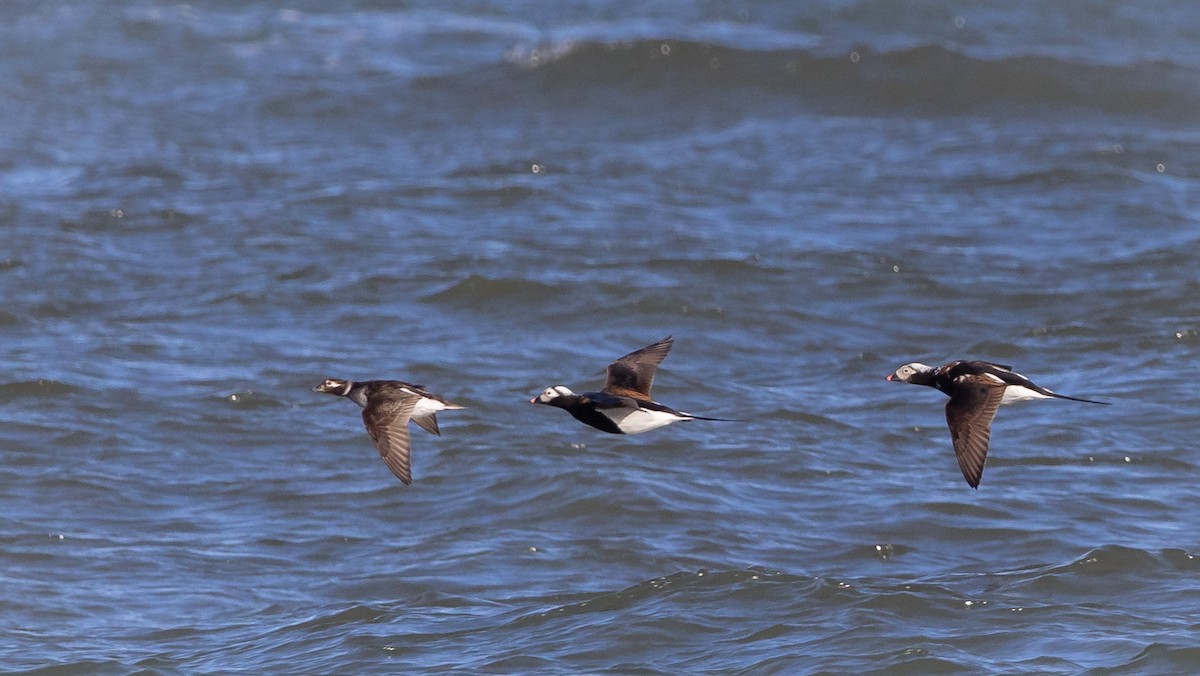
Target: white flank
column 638, row 420
column 1017, row 393
column 426, row 406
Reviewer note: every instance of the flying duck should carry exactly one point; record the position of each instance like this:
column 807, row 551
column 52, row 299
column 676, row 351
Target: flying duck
column 976, row 390
column 388, row 406
column 623, row 405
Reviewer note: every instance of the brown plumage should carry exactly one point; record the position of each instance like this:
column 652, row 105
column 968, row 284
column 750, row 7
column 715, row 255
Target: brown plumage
column 969, row 415
column 976, row 390
column 633, row 374
column 387, row 423
column 388, row 407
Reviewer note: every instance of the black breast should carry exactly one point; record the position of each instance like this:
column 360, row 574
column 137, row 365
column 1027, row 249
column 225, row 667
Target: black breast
column 588, row 415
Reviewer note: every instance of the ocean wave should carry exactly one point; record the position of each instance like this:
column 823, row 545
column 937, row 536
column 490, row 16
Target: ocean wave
column 921, row 78
column 477, row 291
column 662, row 588
column 1162, row 658
column 41, row 387
column 1112, row 559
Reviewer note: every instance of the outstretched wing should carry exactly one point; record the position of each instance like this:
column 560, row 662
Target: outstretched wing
column 633, row 374
column 969, row 414
column 387, row 423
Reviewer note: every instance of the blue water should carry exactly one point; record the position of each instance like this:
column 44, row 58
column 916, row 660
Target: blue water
column 209, row 209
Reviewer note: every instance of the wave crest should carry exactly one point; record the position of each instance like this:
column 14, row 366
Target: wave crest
column 923, row 77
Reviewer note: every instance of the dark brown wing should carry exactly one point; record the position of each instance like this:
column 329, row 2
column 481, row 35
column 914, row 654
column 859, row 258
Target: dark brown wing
column 387, row 423
column 428, row 423
column 633, row 374
column 969, row 414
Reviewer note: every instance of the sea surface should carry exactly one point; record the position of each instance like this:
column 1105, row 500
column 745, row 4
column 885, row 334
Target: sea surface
column 208, row 208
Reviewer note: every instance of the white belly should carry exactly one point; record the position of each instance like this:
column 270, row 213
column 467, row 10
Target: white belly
column 638, row 420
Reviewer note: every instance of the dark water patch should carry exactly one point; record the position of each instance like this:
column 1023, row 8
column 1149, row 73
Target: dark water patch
column 1113, row 563
column 495, row 295
column 802, row 417
column 920, row 661
column 675, row 584
column 880, row 552
column 1159, row 658
column 707, row 265
column 645, row 504
column 312, row 102
column 159, row 176
column 520, row 664
column 772, row 632
column 359, row 614
column 332, row 196
column 1053, row 178
column 1113, row 559
column 972, row 510
column 250, row 400
column 913, row 599
column 310, row 272
column 1182, row 560
column 494, row 170
column 81, row 666
column 39, row 388
column 248, row 298
column 929, row 79
column 1169, row 461
column 499, row 196
column 995, row 351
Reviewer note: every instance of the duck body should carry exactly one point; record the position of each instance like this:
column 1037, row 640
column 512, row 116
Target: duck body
column 362, row 392
column 976, row 389
column 613, row 414
column 387, row 408
column 624, row 405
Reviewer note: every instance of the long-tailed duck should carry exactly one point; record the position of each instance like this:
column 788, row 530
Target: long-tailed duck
column 388, row 406
column 623, row 405
column 976, row 390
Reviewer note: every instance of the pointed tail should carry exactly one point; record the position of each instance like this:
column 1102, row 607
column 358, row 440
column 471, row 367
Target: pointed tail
column 1086, row 401
column 700, row 417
